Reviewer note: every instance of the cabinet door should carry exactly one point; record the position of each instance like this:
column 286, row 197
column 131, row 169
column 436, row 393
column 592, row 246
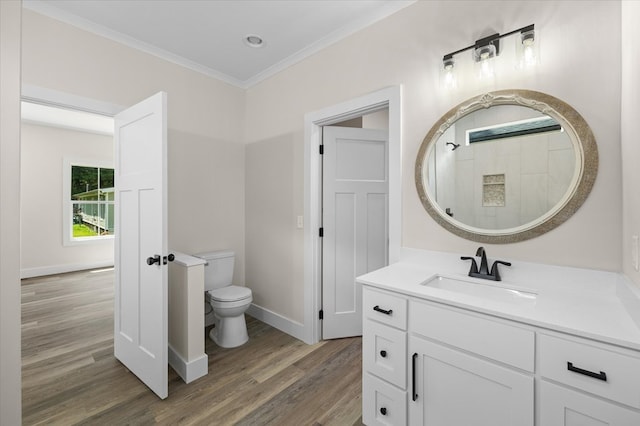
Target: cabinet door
column 451, row 388
column 560, row 406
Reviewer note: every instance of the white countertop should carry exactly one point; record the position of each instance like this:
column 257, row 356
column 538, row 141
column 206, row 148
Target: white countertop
column 599, row 305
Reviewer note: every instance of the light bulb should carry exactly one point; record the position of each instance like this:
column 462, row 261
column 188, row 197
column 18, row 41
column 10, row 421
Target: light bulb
column 526, row 50
column 448, row 77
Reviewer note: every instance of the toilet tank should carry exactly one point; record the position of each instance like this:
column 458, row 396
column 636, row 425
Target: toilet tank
column 218, row 272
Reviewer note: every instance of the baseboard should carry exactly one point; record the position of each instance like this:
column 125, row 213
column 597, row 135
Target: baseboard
column 284, row 324
column 188, row 371
column 62, row 269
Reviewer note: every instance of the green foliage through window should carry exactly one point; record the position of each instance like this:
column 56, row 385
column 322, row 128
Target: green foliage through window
column 92, row 197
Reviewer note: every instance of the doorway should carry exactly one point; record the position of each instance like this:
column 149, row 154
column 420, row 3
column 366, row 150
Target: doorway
column 385, row 98
column 139, row 131
column 355, row 190
column 66, row 190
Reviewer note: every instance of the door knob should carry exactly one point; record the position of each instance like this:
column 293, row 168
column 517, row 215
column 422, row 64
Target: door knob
column 154, row 259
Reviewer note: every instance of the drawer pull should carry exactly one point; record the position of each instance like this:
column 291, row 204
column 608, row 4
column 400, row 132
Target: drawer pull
column 379, row 309
column 383, row 411
column 600, row 376
column 414, row 358
column 383, row 354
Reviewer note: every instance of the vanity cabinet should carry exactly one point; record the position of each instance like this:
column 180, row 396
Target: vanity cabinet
column 428, row 363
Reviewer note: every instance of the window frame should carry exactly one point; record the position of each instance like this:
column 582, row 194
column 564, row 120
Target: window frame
column 67, row 203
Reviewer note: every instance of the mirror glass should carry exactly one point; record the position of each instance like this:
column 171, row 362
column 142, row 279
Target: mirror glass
column 506, row 166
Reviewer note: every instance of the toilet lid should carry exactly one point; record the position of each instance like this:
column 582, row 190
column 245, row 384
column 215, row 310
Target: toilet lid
column 230, row 294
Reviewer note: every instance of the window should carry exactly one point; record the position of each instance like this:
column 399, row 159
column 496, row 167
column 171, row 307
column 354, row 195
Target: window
column 90, row 202
column 516, row 128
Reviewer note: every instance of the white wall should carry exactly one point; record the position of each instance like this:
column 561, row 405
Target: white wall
column 629, row 125
column 10, row 382
column 407, row 49
column 43, row 152
column 206, row 153
column 274, row 244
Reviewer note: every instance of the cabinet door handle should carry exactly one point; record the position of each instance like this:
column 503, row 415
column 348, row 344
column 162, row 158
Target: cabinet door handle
column 379, row 309
column 414, row 358
column 383, row 354
column 600, row 376
column 383, row 411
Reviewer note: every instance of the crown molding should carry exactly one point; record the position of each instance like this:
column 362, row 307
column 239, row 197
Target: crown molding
column 40, row 6
column 332, row 38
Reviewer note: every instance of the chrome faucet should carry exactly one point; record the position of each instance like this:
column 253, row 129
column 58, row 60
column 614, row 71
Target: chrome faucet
column 483, row 272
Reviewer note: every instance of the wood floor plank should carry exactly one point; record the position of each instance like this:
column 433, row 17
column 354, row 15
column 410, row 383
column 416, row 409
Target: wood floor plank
column 70, row 375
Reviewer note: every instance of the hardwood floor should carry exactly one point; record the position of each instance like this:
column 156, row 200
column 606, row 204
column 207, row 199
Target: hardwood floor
column 70, row 376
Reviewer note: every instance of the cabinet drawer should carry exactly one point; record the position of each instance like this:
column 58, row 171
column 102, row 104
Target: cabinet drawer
column 382, row 404
column 385, row 307
column 384, row 352
column 475, row 333
column 595, row 368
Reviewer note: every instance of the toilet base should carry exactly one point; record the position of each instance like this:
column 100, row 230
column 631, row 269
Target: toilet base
column 229, row 332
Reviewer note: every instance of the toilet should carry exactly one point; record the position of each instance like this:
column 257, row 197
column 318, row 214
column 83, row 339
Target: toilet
column 227, row 302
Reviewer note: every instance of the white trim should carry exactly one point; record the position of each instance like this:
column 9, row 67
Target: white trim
column 44, row 96
column 64, row 118
column 43, row 8
column 388, row 9
column 63, row 269
column 284, row 324
column 188, row 370
column 389, row 97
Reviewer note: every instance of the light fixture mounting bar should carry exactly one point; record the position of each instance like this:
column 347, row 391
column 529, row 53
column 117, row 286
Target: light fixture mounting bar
column 519, row 30
column 493, row 39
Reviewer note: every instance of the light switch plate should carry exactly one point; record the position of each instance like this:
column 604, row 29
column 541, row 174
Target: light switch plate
column 300, row 223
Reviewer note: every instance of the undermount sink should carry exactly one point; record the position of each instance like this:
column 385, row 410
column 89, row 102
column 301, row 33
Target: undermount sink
column 489, row 290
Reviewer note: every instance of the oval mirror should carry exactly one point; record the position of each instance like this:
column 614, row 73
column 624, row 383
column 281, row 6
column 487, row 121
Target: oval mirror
column 506, row 166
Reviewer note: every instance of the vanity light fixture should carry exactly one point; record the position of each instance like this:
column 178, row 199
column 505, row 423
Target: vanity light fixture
column 488, row 48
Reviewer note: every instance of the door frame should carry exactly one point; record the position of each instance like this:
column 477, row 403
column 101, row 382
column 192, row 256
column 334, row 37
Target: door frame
column 389, row 97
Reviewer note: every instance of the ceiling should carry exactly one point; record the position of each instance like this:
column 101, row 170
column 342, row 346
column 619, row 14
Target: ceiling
column 208, row 35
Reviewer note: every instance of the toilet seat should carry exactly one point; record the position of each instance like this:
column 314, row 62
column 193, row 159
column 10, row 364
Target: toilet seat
column 231, row 293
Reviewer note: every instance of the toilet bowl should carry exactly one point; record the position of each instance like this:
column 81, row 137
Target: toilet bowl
column 229, row 305
column 228, row 302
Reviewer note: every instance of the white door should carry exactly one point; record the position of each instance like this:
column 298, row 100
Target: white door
column 140, row 311
column 354, row 220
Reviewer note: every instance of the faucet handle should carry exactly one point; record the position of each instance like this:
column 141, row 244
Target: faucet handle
column 474, row 265
column 494, row 269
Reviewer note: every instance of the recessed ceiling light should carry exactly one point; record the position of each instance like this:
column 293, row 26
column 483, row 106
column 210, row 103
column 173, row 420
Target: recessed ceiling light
column 253, row 40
